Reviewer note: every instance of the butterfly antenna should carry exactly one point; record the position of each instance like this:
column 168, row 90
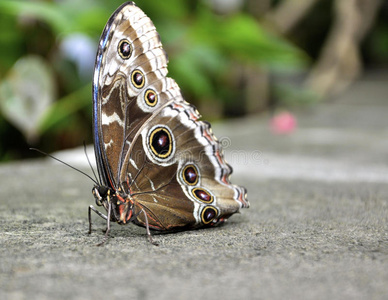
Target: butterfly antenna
column 66, row 164
column 87, row 157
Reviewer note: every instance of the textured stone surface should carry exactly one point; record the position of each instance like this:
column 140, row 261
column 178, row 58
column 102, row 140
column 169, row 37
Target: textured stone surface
column 317, row 227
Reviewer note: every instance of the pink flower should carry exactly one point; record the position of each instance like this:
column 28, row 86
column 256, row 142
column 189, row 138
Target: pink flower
column 283, row 123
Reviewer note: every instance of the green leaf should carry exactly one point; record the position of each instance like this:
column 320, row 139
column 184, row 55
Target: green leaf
column 65, row 107
column 26, row 93
column 58, row 18
column 242, row 38
column 190, row 76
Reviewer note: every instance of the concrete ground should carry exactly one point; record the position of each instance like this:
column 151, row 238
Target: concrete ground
column 317, row 227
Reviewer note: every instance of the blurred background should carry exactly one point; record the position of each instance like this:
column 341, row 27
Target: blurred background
column 231, row 58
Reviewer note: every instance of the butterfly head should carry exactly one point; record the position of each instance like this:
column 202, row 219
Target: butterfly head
column 121, row 204
column 101, row 194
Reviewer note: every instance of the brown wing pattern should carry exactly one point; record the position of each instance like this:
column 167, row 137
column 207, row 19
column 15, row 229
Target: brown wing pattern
column 154, row 147
column 117, row 95
column 159, row 185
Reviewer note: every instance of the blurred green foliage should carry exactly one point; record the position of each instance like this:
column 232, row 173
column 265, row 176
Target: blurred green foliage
column 204, row 50
column 375, row 48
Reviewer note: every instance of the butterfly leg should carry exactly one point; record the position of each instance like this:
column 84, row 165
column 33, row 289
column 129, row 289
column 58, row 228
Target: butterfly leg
column 107, row 226
column 148, row 229
column 107, row 218
column 92, row 208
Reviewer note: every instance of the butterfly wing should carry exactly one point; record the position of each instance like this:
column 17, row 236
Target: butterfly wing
column 130, row 56
column 176, row 172
column 148, row 140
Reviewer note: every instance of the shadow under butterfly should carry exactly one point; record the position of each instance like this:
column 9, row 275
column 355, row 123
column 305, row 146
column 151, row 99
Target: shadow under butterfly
column 158, row 166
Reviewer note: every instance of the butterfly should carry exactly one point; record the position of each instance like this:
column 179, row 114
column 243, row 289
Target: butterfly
column 159, row 166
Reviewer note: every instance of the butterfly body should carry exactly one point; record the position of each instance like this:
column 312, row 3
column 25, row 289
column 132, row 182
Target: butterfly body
column 159, row 166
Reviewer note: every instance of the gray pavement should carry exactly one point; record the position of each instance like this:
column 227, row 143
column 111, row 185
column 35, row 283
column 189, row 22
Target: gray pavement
column 316, row 229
